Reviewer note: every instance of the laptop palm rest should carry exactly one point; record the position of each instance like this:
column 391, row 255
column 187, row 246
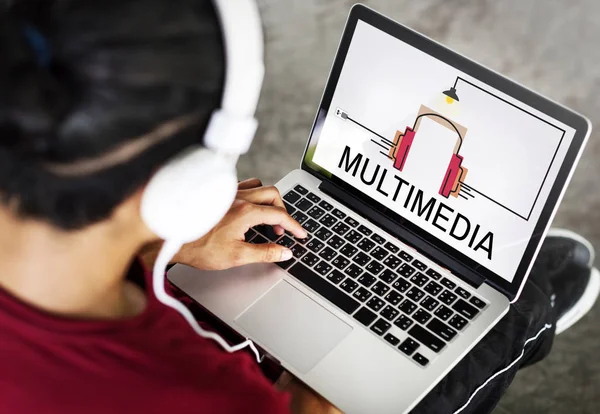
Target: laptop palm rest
column 293, row 327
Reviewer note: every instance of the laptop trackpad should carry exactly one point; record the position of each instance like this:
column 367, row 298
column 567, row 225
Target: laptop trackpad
column 295, row 328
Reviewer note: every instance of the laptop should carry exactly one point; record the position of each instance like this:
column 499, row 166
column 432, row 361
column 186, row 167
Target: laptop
column 427, row 186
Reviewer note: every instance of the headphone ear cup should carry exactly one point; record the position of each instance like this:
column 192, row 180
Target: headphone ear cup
column 189, row 195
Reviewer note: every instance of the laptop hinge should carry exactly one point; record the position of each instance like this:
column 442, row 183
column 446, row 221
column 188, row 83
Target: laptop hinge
column 409, row 238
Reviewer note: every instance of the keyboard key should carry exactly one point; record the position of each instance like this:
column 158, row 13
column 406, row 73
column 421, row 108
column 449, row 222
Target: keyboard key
column 323, row 234
column 353, row 271
column 443, row 312
column 323, row 268
column 353, row 236
column 458, row 322
column 428, row 339
column 336, row 242
column 315, row 245
column 477, row 302
column 298, row 251
column 304, row 240
column 389, row 313
column 433, row 274
column 407, row 307
column 312, row 197
column 375, row 303
column 336, row 277
column 339, row 214
column 361, row 258
column 403, row 322
column 340, row 228
column 441, row 329
column 327, row 220
column 268, row 232
column 401, row 285
column 340, row 262
column 316, row 212
column 448, row 283
column 374, row 267
column 415, row 294
column 349, row 285
column 392, row 262
column 325, row 205
column 447, row 297
column 419, row 265
column 292, row 197
column 380, row 288
column 421, row 316
column 288, row 207
column 350, row 221
column 466, row 310
column 301, row 189
column 392, row 248
column 286, row 241
column 421, row 360
column 366, row 280
column 381, row 326
column 391, row 339
column 406, row 270
column 365, row 316
column 310, row 259
column 433, row 288
column 303, row 205
column 362, row 294
column 387, row 276
column 377, row 238
column 409, row 346
column 310, row 225
column 462, row 293
column 429, row 303
column 365, row 230
column 405, row 256
column 328, row 253
column 258, row 239
column 348, row 250
column 324, row 288
column 366, row 245
column 419, row 279
column 379, row 253
column 249, row 235
column 393, row 297
column 300, row 217
column 286, row 264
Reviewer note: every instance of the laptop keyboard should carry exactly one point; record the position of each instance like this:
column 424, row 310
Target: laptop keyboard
column 370, row 278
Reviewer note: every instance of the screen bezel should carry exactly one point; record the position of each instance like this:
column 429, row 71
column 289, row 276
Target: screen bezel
column 484, row 75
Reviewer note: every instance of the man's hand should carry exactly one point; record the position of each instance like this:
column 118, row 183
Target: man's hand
column 224, row 246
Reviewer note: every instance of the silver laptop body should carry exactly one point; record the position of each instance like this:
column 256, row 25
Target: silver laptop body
column 375, row 321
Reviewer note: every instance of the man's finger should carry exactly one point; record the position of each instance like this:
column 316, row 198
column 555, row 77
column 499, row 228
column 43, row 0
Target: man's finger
column 249, row 183
column 262, row 253
column 255, row 215
column 263, row 195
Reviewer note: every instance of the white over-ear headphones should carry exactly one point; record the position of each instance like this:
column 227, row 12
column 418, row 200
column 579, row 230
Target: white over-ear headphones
column 189, row 195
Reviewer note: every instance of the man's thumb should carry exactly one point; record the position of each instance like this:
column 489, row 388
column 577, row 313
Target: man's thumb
column 265, row 253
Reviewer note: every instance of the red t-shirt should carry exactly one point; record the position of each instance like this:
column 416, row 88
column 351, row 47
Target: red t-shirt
column 151, row 363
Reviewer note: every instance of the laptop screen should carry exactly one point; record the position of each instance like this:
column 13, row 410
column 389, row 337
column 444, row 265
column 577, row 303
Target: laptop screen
column 466, row 163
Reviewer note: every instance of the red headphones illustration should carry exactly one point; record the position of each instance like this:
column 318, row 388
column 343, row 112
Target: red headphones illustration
column 455, row 173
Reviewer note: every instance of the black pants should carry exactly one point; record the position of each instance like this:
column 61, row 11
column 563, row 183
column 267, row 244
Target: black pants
column 503, row 345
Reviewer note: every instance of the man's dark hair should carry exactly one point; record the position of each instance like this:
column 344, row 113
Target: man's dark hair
column 117, row 70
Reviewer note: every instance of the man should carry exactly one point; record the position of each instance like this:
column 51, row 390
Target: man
column 80, row 328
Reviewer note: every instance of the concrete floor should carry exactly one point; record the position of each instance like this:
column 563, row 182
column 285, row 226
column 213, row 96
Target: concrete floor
column 548, row 45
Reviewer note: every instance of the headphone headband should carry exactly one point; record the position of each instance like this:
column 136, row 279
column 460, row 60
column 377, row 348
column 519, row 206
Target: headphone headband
column 244, row 73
